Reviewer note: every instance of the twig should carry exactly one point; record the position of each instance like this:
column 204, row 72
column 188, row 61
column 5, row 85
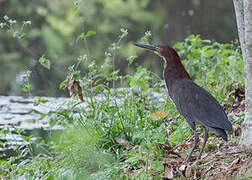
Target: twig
column 86, row 43
column 88, row 54
column 113, row 59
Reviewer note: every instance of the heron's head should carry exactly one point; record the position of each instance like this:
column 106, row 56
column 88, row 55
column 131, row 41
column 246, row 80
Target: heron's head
column 164, row 51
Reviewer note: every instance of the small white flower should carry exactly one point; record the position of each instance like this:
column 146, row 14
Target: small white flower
column 6, row 18
column 148, row 33
column 26, row 22
column 124, row 30
column 24, row 76
column 1, row 25
column 12, row 21
column 81, row 58
column 108, row 54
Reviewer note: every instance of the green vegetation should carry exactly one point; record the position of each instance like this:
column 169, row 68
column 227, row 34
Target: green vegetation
column 117, row 129
column 121, row 121
column 214, row 66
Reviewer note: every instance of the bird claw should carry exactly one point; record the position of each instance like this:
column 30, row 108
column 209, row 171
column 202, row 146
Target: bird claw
column 198, row 157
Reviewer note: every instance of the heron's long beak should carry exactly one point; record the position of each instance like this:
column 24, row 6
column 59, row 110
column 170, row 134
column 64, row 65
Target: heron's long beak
column 150, row 47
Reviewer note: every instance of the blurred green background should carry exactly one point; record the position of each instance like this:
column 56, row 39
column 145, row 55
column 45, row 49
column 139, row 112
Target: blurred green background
column 56, row 25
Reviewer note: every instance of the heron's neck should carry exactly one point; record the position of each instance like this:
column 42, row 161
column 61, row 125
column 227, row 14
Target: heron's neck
column 175, row 70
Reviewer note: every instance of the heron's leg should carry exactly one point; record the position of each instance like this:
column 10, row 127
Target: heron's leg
column 204, row 143
column 196, row 140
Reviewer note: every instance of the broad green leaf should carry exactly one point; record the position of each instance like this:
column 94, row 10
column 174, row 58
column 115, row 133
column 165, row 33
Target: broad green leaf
column 131, row 59
column 75, row 8
column 226, row 59
column 190, row 37
column 90, row 33
column 45, row 62
column 25, row 89
column 42, row 116
column 80, row 36
column 62, row 84
column 209, row 53
column 98, row 88
column 206, row 47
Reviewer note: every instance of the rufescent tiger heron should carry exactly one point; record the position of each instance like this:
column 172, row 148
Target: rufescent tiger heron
column 192, row 101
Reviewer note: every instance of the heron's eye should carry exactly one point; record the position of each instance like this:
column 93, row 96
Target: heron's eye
column 159, row 49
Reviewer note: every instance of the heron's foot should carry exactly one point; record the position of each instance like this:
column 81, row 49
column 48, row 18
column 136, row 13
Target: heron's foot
column 199, row 156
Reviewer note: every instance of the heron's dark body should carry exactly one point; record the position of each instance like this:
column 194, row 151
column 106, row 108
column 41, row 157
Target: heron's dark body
column 192, row 101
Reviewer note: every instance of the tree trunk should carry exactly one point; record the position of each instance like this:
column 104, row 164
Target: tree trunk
column 243, row 9
column 239, row 11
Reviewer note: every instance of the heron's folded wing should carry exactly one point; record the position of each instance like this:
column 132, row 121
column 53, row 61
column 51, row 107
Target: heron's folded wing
column 197, row 105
